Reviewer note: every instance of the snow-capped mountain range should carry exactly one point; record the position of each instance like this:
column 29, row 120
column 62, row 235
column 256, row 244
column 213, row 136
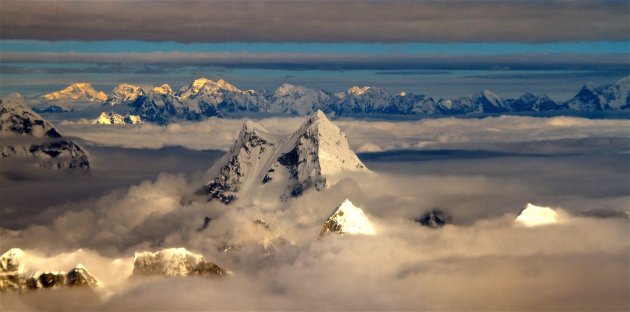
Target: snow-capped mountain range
column 206, row 98
column 25, row 134
column 312, row 157
column 21, row 270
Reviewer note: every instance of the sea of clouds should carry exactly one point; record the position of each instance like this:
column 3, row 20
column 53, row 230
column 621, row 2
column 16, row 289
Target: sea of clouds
column 481, row 171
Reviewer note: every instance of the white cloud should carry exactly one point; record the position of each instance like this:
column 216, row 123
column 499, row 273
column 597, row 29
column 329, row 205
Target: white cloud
column 481, row 262
column 363, row 135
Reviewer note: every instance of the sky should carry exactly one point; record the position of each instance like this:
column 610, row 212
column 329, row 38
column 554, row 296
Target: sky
column 439, row 48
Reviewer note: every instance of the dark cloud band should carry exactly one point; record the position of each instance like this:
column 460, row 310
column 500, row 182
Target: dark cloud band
column 316, row 21
column 298, row 61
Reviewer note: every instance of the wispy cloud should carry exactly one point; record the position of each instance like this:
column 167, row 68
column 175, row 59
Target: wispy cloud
column 332, row 61
column 314, row 21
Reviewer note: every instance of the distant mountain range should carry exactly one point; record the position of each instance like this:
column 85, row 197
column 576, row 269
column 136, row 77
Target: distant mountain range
column 206, row 98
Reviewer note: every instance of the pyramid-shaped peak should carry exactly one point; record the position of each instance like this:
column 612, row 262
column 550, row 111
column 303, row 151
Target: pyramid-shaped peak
column 16, row 103
column 319, row 115
column 79, row 276
column 348, row 219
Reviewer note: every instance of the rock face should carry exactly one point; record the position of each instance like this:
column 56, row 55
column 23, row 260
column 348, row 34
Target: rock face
column 348, row 219
column 174, row 262
column 111, row 118
column 14, row 275
column 309, row 158
column 80, row 277
column 24, row 133
column 434, row 219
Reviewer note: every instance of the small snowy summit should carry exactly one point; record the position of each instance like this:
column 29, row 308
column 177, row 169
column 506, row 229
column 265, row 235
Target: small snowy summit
column 348, row 219
column 79, row 91
column 313, row 157
column 174, row 262
column 534, row 215
column 111, row 118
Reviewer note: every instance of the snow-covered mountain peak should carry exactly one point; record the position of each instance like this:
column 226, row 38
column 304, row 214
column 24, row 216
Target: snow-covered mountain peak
column 77, row 91
column 202, row 83
column 112, row 118
column 534, row 215
column 313, row 156
column 206, row 87
column 325, row 147
column 109, row 118
column 16, row 118
column 166, row 262
column 289, row 89
column 614, row 96
column 174, row 262
column 625, row 81
column 356, row 90
column 348, row 219
column 79, row 276
column 227, row 86
column 124, row 93
column 297, row 100
column 491, row 96
column 12, row 261
column 163, row 89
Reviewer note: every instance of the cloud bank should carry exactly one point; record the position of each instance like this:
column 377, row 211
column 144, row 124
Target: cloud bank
column 364, row 136
column 308, row 21
column 483, row 261
column 324, row 61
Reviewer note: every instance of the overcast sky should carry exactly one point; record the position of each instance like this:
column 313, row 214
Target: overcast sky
column 440, row 48
column 316, row 21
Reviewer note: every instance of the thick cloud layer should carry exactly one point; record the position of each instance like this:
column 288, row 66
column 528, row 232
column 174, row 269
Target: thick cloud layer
column 365, row 136
column 307, row 21
column 483, row 176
